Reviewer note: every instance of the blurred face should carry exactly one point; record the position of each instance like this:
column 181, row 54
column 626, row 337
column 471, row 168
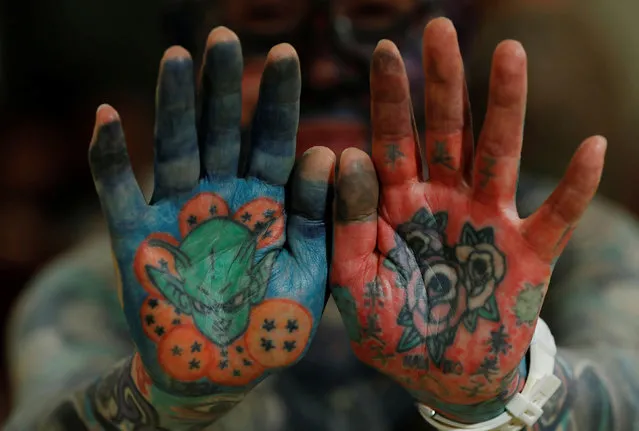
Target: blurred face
column 335, row 40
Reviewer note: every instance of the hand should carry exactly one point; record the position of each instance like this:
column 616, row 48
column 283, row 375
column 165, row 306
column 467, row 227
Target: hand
column 219, row 286
column 439, row 282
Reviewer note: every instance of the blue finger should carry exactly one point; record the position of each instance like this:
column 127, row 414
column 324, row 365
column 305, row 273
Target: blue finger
column 120, row 195
column 310, row 198
column 221, row 95
column 274, row 128
column 177, row 162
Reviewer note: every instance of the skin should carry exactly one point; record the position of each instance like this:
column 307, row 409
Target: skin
column 221, row 270
column 448, row 256
column 376, row 226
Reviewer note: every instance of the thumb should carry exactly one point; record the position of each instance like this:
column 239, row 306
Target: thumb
column 311, row 185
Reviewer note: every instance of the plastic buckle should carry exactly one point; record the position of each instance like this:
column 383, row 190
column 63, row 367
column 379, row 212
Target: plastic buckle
column 527, row 408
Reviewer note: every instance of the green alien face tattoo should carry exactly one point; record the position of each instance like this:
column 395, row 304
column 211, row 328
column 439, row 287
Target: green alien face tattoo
column 218, row 281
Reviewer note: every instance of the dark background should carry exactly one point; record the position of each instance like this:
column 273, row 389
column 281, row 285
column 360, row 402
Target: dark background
column 60, row 60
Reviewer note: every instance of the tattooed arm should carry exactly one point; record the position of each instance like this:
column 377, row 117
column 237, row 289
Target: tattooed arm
column 444, row 285
column 590, row 309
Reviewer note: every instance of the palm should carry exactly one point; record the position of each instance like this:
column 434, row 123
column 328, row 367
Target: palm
column 467, row 306
column 444, row 284
column 216, row 283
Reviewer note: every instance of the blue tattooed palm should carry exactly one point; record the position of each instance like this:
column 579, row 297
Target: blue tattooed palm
column 216, row 254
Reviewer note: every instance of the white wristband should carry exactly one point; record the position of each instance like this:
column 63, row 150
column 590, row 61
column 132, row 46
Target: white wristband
column 525, row 408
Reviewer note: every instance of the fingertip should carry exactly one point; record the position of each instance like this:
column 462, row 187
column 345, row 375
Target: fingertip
column 176, row 53
column 282, row 52
column 221, row 34
column 591, row 152
column 387, row 58
column 317, row 164
column 442, row 59
column 312, row 183
column 106, row 114
column 597, row 144
column 357, row 188
column 509, row 57
column 386, row 45
column 281, row 81
column 355, row 157
column 440, row 23
column 438, row 30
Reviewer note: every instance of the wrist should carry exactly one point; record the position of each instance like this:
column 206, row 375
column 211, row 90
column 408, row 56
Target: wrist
column 176, row 410
column 524, row 408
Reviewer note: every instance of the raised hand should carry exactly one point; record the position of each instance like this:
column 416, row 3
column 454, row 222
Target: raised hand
column 439, row 281
column 219, row 285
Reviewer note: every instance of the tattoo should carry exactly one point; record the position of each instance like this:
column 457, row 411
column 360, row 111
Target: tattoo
column 441, row 155
column 528, row 304
column 498, row 341
column 115, row 401
column 123, row 399
column 437, row 303
column 348, row 308
column 435, row 316
column 599, row 391
column 393, row 154
column 205, row 308
column 373, row 301
column 487, row 170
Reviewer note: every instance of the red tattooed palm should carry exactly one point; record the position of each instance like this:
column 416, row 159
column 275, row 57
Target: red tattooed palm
column 439, row 281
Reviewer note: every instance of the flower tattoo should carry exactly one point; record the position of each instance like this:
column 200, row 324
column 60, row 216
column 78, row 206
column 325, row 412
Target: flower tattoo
column 446, row 285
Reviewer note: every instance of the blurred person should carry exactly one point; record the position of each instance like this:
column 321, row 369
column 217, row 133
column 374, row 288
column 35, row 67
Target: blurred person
column 195, row 360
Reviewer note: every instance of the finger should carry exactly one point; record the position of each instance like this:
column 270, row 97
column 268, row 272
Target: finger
column 356, row 199
column 549, row 228
column 468, row 141
column 274, row 127
column 444, row 101
column 393, row 150
column 499, row 148
column 312, row 181
column 221, row 97
column 119, row 192
column 177, row 160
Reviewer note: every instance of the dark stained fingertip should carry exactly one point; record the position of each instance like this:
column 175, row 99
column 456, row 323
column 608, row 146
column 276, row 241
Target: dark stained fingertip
column 357, row 190
column 108, row 155
column 221, row 98
column 175, row 117
column 281, row 81
column 224, row 65
column 312, row 189
column 274, row 128
column 114, row 180
column 389, row 83
column 105, row 114
column 386, row 58
column 177, row 159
